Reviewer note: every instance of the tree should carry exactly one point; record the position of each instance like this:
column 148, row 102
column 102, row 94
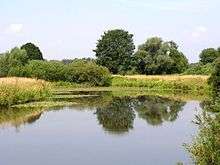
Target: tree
column 114, row 50
column 33, row 52
column 218, row 50
column 158, row 57
column 209, row 55
column 12, row 63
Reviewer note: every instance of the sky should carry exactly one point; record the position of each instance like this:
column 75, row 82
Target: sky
column 66, row 29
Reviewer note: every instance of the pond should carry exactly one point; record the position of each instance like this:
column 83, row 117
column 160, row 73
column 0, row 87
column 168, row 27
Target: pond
column 100, row 129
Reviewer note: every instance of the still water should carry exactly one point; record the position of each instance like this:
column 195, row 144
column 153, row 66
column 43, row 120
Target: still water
column 100, row 130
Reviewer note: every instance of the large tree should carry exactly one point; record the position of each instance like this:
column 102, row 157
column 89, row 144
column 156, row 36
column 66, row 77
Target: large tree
column 114, row 50
column 158, row 57
column 33, row 52
column 209, row 55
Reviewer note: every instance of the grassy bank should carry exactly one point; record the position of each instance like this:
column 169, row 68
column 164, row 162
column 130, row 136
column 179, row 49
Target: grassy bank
column 21, row 90
column 192, row 83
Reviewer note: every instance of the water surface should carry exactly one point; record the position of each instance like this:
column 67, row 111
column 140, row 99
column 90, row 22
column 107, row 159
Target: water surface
column 100, row 130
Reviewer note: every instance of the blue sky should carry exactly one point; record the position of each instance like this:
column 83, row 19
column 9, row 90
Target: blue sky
column 70, row 28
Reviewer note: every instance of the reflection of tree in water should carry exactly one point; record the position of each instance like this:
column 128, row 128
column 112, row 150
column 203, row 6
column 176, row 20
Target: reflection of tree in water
column 156, row 110
column 117, row 116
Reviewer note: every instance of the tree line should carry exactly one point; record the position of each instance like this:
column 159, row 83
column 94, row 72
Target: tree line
column 115, row 53
column 27, row 61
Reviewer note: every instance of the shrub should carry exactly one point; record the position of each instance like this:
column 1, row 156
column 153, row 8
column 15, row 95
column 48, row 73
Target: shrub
column 199, row 69
column 50, row 71
column 214, row 80
column 81, row 71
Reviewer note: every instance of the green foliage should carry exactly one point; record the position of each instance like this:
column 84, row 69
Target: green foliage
column 192, row 84
column 33, row 52
column 81, row 71
column 158, row 57
column 209, row 55
column 214, row 80
column 114, row 50
column 199, row 69
column 218, row 49
column 12, row 63
column 205, row 149
column 46, row 70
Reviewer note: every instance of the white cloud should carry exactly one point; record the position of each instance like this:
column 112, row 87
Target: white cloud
column 199, row 31
column 15, row 28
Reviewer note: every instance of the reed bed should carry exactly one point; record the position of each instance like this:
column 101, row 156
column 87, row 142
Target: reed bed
column 196, row 83
column 15, row 90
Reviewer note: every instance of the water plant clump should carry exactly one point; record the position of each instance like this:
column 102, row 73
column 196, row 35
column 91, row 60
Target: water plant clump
column 22, row 90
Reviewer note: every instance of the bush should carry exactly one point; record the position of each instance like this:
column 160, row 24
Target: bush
column 81, row 71
column 214, row 80
column 50, row 71
column 199, row 69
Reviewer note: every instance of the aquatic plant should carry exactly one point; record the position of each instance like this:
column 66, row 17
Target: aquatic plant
column 21, row 90
column 205, row 148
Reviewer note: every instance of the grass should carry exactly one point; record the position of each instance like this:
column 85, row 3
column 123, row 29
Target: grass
column 186, row 83
column 22, row 90
column 194, row 83
column 15, row 90
column 205, row 148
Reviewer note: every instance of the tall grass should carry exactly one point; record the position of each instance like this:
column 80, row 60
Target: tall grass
column 21, row 90
column 164, row 82
column 205, row 149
